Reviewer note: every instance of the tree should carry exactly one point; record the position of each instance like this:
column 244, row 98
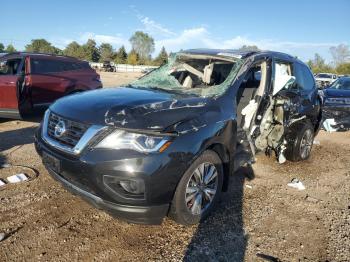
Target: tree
column 248, row 48
column 133, row 58
column 162, row 58
column 121, row 56
column 42, row 46
column 75, row 50
column 10, row 49
column 91, row 52
column 2, row 47
column 340, row 54
column 106, row 52
column 319, row 65
column 343, row 69
column 143, row 44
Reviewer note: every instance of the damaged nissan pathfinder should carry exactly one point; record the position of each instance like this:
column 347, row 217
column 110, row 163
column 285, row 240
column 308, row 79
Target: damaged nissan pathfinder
column 166, row 144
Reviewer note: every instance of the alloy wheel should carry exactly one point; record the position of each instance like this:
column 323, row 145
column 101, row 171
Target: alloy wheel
column 201, row 188
column 306, row 144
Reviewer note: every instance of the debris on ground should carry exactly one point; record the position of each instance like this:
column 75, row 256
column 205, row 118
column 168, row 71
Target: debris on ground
column 2, row 183
column 328, row 125
column 17, row 178
column 2, row 236
column 281, row 158
column 311, row 199
column 316, row 142
column 295, row 183
column 249, row 186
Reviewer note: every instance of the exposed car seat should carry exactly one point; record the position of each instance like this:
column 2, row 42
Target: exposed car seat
column 188, row 82
column 207, row 74
column 245, row 93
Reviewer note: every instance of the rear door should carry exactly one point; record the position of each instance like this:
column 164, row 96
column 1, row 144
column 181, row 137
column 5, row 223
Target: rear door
column 48, row 81
column 11, row 77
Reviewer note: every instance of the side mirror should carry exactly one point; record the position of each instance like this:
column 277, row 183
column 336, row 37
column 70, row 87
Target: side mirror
column 282, row 82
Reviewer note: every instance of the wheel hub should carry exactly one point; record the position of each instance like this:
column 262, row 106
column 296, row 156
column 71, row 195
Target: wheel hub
column 201, row 188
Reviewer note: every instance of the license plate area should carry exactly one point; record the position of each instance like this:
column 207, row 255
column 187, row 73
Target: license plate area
column 52, row 162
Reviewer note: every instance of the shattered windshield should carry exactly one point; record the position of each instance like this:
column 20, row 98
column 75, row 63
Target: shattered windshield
column 203, row 75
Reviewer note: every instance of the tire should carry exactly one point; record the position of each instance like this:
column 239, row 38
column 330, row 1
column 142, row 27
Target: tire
column 187, row 212
column 300, row 141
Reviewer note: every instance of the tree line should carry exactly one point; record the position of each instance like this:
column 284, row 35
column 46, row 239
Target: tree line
column 143, row 46
column 340, row 61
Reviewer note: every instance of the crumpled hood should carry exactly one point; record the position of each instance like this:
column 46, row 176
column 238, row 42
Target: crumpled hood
column 132, row 108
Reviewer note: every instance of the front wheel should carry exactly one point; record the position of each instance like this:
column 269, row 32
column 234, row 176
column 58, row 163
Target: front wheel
column 198, row 190
column 300, row 142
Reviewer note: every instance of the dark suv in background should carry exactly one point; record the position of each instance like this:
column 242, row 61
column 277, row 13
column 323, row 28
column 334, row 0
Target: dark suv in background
column 167, row 143
column 29, row 80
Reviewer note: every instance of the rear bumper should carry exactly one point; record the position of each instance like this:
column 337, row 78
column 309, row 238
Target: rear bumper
column 134, row 214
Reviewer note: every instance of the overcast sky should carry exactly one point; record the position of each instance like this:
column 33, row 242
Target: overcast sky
column 298, row 27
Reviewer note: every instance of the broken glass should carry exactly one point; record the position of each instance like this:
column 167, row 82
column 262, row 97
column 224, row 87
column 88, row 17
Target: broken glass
column 200, row 75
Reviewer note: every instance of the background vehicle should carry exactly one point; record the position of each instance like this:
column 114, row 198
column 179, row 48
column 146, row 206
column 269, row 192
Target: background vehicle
column 336, row 110
column 107, row 67
column 167, row 143
column 325, row 79
column 29, row 80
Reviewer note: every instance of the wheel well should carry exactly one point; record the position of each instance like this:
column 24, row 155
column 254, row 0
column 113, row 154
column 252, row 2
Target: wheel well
column 225, row 158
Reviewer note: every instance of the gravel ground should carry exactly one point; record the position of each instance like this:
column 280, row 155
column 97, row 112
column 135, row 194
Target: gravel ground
column 259, row 218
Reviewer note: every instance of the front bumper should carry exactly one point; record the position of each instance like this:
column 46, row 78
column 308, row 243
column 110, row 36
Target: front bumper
column 83, row 176
column 134, row 214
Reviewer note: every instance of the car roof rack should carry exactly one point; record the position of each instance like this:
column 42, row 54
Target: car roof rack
column 37, row 53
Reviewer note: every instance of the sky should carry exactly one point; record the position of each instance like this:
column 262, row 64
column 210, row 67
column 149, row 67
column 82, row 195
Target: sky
column 300, row 28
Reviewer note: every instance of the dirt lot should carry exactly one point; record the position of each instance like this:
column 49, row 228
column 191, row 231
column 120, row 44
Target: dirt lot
column 259, row 214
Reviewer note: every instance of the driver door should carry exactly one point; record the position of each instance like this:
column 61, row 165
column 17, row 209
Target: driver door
column 10, row 75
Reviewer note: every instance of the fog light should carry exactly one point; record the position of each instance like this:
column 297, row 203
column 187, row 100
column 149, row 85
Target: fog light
column 125, row 187
column 133, row 186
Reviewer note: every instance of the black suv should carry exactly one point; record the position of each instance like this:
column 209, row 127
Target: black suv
column 167, row 143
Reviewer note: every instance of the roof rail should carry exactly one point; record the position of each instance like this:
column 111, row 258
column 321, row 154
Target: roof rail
column 37, row 53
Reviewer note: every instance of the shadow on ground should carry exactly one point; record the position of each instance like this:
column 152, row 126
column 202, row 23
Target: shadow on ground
column 226, row 224
column 16, row 137
column 20, row 136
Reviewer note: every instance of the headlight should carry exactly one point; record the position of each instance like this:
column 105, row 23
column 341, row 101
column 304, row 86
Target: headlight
column 143, row 143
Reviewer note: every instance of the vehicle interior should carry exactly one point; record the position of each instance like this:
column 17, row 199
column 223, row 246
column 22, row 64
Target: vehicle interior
column 253, row 80
column 267, row 131
column 11, row 67
column 200, row 71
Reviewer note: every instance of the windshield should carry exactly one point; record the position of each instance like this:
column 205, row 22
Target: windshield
column 324, row 75
column 203, row 75
column 342, row 83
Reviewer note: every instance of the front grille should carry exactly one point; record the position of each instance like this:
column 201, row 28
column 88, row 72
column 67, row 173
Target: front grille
column 74, row 130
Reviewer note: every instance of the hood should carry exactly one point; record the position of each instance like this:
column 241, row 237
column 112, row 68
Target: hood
column 330, row 92
column 133, row 108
